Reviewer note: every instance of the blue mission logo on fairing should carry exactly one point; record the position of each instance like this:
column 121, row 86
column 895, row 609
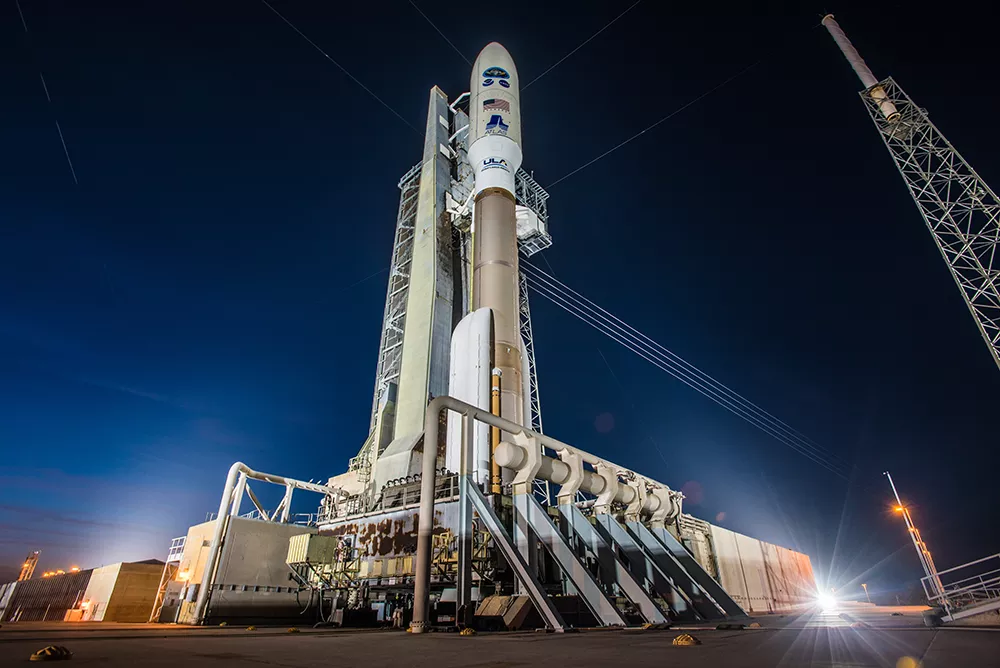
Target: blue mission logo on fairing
column 495, row 73
column 495, row 163
column 499, row 74
column 496, row 126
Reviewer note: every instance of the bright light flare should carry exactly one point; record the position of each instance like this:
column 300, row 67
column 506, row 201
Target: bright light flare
column 826, row 601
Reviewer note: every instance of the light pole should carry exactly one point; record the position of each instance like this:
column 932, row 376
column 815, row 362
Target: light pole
column 924, row 554
column 866, row 592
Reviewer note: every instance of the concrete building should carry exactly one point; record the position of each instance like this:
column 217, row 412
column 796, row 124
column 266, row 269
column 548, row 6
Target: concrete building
column 122, row 592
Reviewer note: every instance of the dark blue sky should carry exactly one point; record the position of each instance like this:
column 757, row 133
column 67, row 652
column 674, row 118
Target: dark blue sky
column 210, row 291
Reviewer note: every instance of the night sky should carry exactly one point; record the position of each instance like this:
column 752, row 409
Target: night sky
column 213, row 287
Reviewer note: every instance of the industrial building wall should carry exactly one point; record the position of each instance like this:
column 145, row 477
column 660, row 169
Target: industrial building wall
column 251, row 582
column 98, row 593
column 134, row 592
column 196, row 544
column 760, row 576
column 6, row 592
column 386, row 542
column 45, row 599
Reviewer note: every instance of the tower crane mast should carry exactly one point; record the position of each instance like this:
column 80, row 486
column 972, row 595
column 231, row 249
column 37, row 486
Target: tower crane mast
column 960, row 210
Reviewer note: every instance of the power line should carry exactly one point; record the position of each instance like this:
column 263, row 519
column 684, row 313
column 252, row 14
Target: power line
column 746, row 69
column 631, row 331
column 662, row 358
column 342, row 68
column 445, row 37
column 538, row 276
column 708, row 392
column 662, row 120
column 585, row 42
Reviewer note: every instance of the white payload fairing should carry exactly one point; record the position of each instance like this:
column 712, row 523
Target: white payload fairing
column 494, row 120
column 487, row 342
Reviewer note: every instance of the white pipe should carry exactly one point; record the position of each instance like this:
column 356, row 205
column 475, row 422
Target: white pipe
column 286, row 508
column 457, row 100
column 852, row 55
column 457, row 132
column 428, row 465
column 868, row 79
column 215, row 547
column 234, row 509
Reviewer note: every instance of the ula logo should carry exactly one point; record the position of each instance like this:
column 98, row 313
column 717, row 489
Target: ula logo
column 495, row 163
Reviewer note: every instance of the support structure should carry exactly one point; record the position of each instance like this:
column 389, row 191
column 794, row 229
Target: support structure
column 613, row 571
column 642, row 497
column 923, row 553
column 961, row 211
column 542, row 488
column 170, row 568
column 28, row 567
column 239, row 473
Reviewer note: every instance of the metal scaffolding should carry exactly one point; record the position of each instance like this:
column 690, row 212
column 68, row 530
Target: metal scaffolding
column 535, row 419
column 960, row 210
column 531, row 195
column 391, row 344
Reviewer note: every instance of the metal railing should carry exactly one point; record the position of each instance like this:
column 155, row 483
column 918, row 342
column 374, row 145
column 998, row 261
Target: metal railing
column 961, row 591
column 176, row 550
column 396, row 494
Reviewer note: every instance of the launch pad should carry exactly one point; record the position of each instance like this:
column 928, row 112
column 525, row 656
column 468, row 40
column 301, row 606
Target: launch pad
column 792, row 641
column 503, row 527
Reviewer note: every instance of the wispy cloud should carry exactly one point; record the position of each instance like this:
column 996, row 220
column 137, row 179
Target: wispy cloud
column 36, row 515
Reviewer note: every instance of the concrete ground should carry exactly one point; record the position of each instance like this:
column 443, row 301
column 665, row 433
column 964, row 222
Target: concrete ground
column 855, row 638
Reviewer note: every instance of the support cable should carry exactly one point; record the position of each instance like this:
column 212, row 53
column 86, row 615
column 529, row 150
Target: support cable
column 342, row 68
column 673, row 358
column 583, row 44
column 445, row 37
column 693, row 384
column 667, row 361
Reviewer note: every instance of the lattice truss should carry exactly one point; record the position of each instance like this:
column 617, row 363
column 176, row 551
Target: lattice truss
column 960, row 210
column 541, row 487
column 391, row 345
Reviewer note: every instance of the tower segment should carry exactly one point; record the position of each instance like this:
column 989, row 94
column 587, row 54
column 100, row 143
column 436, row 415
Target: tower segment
column 960, row 210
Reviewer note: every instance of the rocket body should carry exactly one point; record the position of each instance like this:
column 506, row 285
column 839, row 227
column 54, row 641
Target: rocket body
column 495, row 154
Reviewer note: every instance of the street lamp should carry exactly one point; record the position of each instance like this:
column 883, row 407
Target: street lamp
column 926, row 561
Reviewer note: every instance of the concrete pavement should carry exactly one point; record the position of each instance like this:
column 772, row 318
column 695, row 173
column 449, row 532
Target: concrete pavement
column 825, row 639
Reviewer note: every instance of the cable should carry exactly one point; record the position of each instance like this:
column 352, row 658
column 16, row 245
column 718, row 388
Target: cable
column 682, row 108
column 691, row 376
column 342, row 68
column 445, row 37
column 711, row 393
column 62, row 139
column 673, row 357
column 662, row 120
column 585, row 42
column 621, row 329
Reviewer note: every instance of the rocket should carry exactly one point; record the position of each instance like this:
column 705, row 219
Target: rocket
column 487, row 343
column 495, row 154
column 494, row 122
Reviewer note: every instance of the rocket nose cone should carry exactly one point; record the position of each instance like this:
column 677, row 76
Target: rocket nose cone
column 494, row 49
column 494, row 55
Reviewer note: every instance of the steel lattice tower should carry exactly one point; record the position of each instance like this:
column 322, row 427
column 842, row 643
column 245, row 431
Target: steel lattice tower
column 960, row 210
